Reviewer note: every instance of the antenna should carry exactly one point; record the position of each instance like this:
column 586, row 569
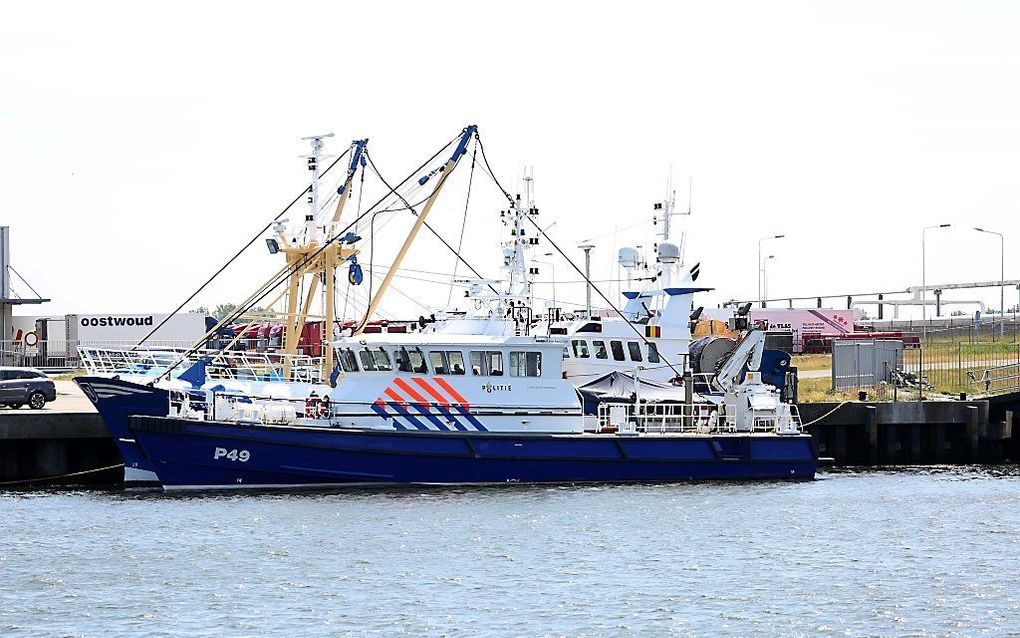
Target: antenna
column 683, row 235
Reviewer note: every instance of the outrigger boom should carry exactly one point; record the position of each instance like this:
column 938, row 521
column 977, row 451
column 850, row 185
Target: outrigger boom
column 446, row 170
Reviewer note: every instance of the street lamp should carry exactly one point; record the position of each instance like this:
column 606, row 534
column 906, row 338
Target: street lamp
column 553, row 266
column 760, row 300
column 587, row 247
column 924, row 279
column 1002, row 276
column 765, row 279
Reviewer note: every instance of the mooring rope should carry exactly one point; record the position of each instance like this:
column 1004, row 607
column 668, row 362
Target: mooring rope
column 62, row 476
column 826, row 415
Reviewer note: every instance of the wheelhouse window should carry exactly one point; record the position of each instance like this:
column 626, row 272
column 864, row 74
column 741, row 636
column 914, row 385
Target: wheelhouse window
column 456, row 358
column 487, row 364
column 525, row 364
column 617, row 348
column 367, row 360
column 600, row 349
column 374, row 359
column 635, row 350
column 411, row 361
column 348, row 361
column 653, row 353
column 448, row 362
column 440, row 365
column 580, row 348
column 418, row 361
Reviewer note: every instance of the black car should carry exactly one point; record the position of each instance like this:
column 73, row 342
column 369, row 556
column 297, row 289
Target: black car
column 25, row 386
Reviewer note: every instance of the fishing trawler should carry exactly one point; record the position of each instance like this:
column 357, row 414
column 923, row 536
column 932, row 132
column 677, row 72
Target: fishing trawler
column 476, row 398
column 124, row 382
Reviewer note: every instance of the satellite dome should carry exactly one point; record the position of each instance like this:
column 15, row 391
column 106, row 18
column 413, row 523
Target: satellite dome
column 669, row 253
column 628, row 257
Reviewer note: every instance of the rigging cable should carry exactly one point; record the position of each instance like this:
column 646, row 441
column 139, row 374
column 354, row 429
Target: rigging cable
column 463, row 223
column 426, row 224
column 298, row 265
column 237, row 254
column 481, row 147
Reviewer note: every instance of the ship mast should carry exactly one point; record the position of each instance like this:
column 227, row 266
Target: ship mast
column 307, row 256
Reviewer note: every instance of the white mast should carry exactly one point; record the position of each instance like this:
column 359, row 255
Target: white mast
column 313, row 197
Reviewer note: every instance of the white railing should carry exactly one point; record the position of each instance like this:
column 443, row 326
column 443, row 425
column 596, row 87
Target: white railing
column 204, row 405
column 696, row 418
column 243, row 365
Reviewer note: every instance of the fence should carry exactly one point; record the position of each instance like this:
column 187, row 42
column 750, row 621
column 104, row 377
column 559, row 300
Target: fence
column 989, row 328
column 63, row 355
column 56, row 355
column 971, row 367
column 859, row 363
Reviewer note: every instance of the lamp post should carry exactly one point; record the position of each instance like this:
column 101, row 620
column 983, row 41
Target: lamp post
column 765, row 279
column 587, row 276
column 760, row 300
column 924, row 279
column 553, row 266
column 1002, row 277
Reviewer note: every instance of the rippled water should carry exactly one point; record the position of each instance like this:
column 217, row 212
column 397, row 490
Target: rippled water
column 920, row 552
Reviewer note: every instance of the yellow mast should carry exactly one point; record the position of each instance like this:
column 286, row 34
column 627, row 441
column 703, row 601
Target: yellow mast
column 446, row 170
column 319, row 260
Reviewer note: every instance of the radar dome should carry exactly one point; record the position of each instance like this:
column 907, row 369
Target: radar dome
column 669, row 253
column 628, row 257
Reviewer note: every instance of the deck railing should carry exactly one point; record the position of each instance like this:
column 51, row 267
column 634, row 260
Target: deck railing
column 682, row 418
column 243, row 365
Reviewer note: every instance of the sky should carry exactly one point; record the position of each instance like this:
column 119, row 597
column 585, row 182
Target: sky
column 142, row 144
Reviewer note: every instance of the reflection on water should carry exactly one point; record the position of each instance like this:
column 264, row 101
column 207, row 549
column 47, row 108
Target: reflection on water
column 924, row 551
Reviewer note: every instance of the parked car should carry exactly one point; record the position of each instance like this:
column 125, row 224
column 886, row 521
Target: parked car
column 25, row 386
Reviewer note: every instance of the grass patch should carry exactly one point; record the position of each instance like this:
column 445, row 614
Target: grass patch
column 812, row 361
column 67, row 376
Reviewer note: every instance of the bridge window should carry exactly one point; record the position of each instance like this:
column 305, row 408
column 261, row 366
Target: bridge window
column 382, row 360
column 635, row 350
column 367, row 360
column 411, row 361
column 348, row 361
column 617, row 348
column 418, row 362
column 449, row 362
column 580, row 348
column 600, row 349
column 456, row 361
column 486, row 364
column 440, row 365
column 525, row 364
column 653, row 353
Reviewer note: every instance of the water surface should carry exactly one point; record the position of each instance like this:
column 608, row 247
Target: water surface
column 919, row 552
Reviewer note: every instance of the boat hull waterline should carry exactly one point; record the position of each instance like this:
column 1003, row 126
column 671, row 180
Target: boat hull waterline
column 211, row 455
column 116, row 401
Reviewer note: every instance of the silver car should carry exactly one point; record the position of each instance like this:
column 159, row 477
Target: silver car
column 25, row 386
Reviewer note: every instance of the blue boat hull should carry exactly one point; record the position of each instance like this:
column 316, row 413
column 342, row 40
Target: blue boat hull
column 116, row 401
column 189, row 454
